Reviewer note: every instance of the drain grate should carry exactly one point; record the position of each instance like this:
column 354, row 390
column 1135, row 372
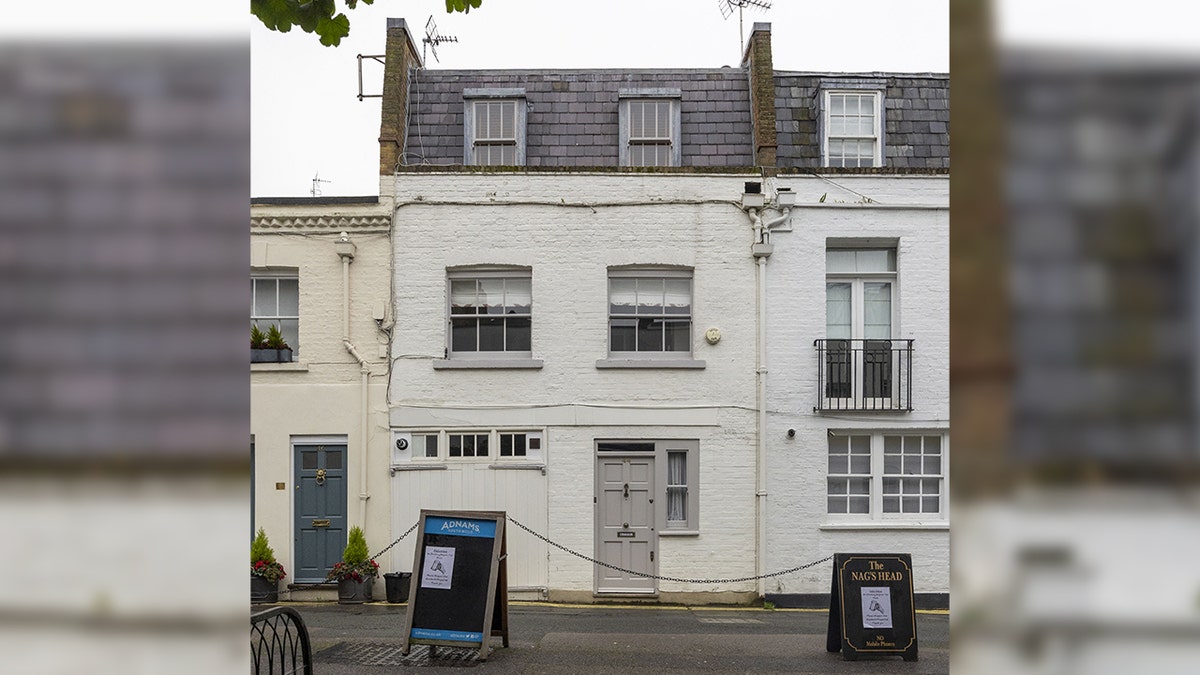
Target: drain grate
column 729, row 621
column 388, row 654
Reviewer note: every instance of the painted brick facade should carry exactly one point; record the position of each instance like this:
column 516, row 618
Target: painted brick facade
column 545, row 223
column 568, row 219
column 319, row 394
column 917, row 221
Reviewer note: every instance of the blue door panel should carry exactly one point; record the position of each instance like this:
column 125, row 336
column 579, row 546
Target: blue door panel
column 320, row 508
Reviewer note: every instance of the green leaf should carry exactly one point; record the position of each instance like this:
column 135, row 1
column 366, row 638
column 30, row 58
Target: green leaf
column 333, row 30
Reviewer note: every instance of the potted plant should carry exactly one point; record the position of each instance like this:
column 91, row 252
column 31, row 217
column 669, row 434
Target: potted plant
column 259, row 353
column 275, row 341
column 356, row 572
column 265, row 571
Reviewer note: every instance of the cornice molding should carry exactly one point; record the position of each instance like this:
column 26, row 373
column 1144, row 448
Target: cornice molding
column 320, row 222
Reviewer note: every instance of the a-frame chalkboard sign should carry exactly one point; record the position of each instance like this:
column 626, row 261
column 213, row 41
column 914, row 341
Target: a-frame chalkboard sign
column 871, row 606
column 459, row 590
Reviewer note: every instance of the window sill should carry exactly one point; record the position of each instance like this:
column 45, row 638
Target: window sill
column 292, row 367
column 679, row 533
column 888, row 525
column 418, row 467
column 485, row 364
column 685, row 364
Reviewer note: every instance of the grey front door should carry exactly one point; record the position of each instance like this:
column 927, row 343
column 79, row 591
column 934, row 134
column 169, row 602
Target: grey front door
column 320, row 510
column 625, row 535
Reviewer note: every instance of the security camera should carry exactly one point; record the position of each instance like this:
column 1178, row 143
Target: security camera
column 791, row 433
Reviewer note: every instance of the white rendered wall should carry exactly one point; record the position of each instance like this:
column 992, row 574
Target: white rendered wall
column 800, row 529
column 541, row 221
column 320, row 394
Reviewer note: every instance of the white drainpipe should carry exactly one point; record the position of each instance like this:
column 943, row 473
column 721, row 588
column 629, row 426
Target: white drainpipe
column 346, row 249
column 762, row 250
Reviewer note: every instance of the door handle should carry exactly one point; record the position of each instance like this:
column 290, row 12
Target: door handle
column 627, row 491
column 651, row 556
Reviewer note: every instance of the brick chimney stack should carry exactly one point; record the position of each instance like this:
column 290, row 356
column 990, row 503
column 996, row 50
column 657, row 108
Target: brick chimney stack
column 757, row 61
column 400, row 57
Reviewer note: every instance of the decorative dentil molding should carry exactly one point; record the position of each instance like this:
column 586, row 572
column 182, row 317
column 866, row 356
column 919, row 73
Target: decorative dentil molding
column 325, row 222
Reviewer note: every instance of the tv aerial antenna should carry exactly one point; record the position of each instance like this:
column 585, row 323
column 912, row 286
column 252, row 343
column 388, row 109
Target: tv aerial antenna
column 316, row 186
column 433, row 38
column 727, row 11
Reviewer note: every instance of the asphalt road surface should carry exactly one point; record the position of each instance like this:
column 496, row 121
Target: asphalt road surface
column 605, row 639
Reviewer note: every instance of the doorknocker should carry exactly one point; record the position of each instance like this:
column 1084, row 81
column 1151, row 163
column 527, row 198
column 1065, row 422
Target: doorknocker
column 320, row 476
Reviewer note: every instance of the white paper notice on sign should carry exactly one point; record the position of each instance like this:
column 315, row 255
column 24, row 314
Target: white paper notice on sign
column 877, row 607
column 438, row 567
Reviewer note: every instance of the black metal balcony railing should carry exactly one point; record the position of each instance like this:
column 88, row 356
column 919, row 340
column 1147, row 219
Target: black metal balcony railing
column 279, row 643
column 864, row 375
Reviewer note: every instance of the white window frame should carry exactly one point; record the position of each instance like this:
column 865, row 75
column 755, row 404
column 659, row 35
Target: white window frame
column 629, row 99
column 827, row 135
column 505, row 274
column 857, row 281
column 414, row 454
column 263, row 321
column 878, row 472
column 471, row 140
column 652, row 274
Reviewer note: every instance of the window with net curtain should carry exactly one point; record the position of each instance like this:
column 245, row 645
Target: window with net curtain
column 677, row 488
column 650, row 313
column 275, row 300
column 491, row 313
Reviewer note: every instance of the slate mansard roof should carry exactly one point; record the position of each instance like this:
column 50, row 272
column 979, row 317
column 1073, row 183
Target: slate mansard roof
column 572, row 115
column 916, row 125
column 572, row 118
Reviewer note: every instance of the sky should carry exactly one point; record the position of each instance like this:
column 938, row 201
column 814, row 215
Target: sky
column 308, row 121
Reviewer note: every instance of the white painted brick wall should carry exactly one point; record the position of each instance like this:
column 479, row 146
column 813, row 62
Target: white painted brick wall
column 570, row 250
column 796, row 316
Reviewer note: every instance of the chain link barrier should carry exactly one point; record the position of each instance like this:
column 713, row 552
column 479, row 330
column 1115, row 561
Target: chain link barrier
column 577, row 554
column 661, row 577
column 320, row 585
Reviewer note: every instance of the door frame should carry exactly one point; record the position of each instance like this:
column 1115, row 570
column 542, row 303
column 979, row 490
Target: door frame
column 293, row 441
column 597, row 537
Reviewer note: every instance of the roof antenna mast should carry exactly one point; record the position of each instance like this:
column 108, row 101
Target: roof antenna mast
column 727, row 10
column 432, row 39
column 316, row 187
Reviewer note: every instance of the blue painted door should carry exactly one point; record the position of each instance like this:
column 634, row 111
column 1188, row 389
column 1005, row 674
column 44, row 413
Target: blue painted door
column 320, row 510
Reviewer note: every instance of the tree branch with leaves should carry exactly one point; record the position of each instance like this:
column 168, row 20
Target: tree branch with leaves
column 322, row 16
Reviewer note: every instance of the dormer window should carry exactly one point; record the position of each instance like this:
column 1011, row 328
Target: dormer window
column 494, row 127
column 852, row 129
column 650, row 127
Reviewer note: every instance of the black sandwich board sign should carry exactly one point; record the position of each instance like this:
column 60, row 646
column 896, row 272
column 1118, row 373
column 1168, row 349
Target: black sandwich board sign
column 458, row 595
column 871, row 606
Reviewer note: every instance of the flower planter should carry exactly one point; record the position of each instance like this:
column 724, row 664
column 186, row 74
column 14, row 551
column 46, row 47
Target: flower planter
column 263, row 591
column 265, row 356
column 351, row 592
column 284, row 355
